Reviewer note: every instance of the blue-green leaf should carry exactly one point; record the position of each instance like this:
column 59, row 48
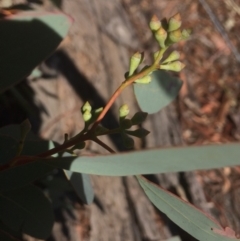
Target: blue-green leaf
column 153, row 161
column 82, row 185
column 27, row 39
column 161, row 91
column 192, row 220
column 27, row 210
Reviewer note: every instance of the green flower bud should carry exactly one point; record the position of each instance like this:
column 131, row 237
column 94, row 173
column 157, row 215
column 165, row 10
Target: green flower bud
column 86, row 106
column 186, row 33
column 154, row 24
column 175, row 55
column 135, row 61
column 161, row 36
column 144, row 80
column 175, row 36
column 173, row 66
column 174, row 22
column 87, row 115
column 123, row 111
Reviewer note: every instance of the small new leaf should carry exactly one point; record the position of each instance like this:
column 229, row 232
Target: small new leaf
column 139, row 118
column 140, row 133
column 126, row 123
column 127, row 141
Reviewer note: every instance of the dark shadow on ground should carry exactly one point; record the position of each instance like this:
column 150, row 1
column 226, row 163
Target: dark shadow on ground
column 62, row 63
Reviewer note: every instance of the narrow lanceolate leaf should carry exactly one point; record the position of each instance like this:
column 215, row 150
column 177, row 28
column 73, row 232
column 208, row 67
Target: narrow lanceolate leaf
column 192, row 220
column 82, row 185
column 153, row 161
column 27, row 210
column 157, row 94
column 27, row 39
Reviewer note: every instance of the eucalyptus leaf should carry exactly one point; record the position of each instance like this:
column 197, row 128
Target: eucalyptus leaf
column 29, row 37
column 192, row 220
column 27, row 210
column 166, row 160
column 8, row 148
column 82, row 185
column 161, row 91
column 33, row 145
column 20, row 176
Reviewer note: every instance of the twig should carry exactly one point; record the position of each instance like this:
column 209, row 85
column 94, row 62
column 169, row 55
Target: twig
column 99, row 142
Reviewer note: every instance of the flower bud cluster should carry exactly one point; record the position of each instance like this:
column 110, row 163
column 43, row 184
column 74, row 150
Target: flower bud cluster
column 166, row 35
column 126, row 124
column 90, row 115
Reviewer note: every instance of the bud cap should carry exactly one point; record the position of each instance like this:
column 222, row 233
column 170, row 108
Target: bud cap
column 174, row 22
column 154, row 24
column 135, row 61
column 86, row 106
column 123, row 111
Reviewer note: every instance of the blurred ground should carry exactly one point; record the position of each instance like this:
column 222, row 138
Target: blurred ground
column 206, row 111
